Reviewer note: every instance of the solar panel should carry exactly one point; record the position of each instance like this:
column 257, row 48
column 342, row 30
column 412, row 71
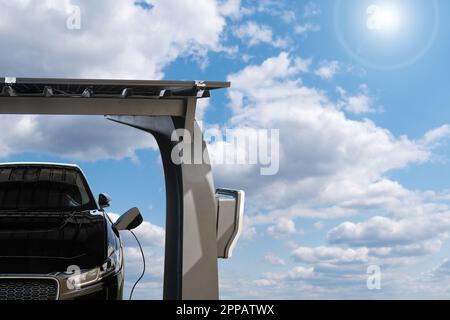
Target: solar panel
column 86, row 88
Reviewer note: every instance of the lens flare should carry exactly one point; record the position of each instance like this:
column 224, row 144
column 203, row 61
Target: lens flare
column 383, row 17
column 387, row 34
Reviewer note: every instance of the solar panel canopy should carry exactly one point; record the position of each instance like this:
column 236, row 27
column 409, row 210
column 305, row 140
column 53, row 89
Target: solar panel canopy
column 87, row 88
column 159, row 108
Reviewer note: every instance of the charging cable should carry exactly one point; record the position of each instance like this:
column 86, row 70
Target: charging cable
column 143, row 261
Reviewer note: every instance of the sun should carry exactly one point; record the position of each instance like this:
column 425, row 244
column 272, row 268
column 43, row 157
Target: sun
column 383, row 17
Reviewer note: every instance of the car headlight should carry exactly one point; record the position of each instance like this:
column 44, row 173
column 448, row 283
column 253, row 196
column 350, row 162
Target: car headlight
column 77, row 278
column 113, row 263
column 80, row 278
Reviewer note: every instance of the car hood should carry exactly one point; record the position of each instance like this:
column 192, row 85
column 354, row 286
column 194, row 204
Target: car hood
column 43, row 243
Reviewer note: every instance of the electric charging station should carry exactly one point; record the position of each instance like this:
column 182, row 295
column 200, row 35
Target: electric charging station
column 202, row 223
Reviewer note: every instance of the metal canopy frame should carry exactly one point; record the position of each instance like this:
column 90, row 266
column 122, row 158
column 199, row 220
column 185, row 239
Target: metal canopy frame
column 159, row 108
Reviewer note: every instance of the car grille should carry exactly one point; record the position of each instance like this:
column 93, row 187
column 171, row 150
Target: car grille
column 28, row 289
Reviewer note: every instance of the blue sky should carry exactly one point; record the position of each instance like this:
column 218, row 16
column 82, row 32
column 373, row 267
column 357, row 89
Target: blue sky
column 362, row 109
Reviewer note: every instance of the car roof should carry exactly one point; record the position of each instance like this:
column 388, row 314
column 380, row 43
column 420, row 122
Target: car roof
column 46, row 164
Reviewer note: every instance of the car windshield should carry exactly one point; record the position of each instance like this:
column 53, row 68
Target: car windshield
column 39, row 188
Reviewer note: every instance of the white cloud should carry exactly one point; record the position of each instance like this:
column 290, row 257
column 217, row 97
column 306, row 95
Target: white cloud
column 154, row 262
column 383, row 231
column 443, row 270
column 202, row 107
column 300, row 273
column 248, row 233
column 253, row 34
column 419, row 248
column 311, row 9
column 328, row 69
column 327, row 281
column 274, row 260
column 145, row 290
column 358, row 104
column 252, row 80
column 282, row 227
column 296, row 273
column 79, row 138
column 299, row 210
column 307, row 27
column 288, row 16
column 330, row 165
column 151, row 235
column 331, row 255
column 436, row 136
column 231, row 8
column 264, row 282
column 333, row 167
column 117, row 38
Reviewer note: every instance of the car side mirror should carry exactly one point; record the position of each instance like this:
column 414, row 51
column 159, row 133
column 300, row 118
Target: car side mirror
column 129, row 220
column 104, row 200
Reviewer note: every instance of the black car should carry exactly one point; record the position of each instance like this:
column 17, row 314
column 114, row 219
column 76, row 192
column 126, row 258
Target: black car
column 56, row 241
